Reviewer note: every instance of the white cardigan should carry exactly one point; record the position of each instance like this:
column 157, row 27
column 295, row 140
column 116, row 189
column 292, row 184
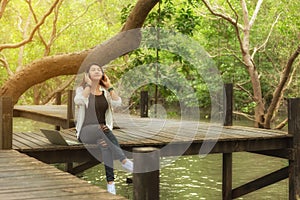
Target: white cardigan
column 81, row 102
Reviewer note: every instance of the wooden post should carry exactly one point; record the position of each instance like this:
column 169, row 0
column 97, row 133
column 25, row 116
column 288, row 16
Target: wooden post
column 58, row 102
column 58, row 98
column 227, row 105
column 227, row 176
column 6, row 114
column 294, row 165
column 70, row 109
column 227, row 157
column 146, row 173
column 144, row 104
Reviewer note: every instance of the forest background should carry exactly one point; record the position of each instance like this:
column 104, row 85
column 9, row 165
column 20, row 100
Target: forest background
column 255, row 45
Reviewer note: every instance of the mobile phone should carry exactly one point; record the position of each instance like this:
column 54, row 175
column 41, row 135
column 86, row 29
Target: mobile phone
column 102, row 79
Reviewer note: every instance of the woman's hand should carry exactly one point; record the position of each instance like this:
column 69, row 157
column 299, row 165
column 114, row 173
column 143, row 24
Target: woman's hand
column 106, row 82
column 108, row 86
column 87, row 79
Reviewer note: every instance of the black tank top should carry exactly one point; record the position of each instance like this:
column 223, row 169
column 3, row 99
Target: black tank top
column 95, row 112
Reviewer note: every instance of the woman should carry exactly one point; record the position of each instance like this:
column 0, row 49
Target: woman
column 95, row 98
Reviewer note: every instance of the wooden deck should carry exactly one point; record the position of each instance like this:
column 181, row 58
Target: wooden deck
column 23, row 177
column 177, row 137
column 171, row 136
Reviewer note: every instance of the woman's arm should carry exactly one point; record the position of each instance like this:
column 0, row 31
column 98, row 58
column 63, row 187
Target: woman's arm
column 80, row 96
column 116, row 101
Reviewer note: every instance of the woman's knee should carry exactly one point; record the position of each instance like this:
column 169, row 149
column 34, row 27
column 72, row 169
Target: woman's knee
column 102, row 143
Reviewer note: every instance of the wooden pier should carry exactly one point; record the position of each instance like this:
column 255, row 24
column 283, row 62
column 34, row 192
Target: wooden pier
column 23, row 177
column 174, row 137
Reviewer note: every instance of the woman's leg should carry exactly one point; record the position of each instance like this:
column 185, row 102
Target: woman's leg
column 115, row 146
column 109, row 145
column 126, row 164
column 92, row 135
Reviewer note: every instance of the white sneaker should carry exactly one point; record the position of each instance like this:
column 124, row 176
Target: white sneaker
column 128, row 165
column 111, row 188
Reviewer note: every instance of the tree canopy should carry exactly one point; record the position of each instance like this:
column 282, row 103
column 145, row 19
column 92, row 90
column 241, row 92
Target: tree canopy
column 254, row 43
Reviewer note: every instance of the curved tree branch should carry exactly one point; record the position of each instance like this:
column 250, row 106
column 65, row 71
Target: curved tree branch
column 219, row 14
column 3, row 4
column 257, row 8
column 245, row 90
column 6, row 66
column 73, row 22
column 282, row 124
column 231, row 20
column 36, row 21
column 249, row 117
column 138, row 14
column 68, row 64
column 267, row 39
column 8, row 46
column 61, row 88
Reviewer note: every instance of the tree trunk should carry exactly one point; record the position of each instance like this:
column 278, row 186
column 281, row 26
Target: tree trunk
column 68, row 64
column 278, row 93
column 257, row 95
column 252, row 71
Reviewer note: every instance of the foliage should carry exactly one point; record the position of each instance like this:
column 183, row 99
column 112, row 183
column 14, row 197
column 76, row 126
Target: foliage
column 169, row 16
column 218, row 37
column 84, row 24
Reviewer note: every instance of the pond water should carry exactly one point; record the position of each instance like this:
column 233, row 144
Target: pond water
column 191, row 177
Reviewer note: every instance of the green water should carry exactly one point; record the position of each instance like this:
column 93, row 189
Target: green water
column 191, row 177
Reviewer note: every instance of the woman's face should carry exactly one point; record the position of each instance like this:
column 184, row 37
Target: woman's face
column 95, row 73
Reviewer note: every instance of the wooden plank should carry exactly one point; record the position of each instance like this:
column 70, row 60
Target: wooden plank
column 34, row 139
column 30, row 143
column 37, row 141
column 279, row 153
column 139, row 137
column 226, row 146
column 25, row 177
column 87, row 192
column 22, row 143
column 148, row 135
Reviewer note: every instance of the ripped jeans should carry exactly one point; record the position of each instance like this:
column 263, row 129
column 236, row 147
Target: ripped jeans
column 109, row 145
